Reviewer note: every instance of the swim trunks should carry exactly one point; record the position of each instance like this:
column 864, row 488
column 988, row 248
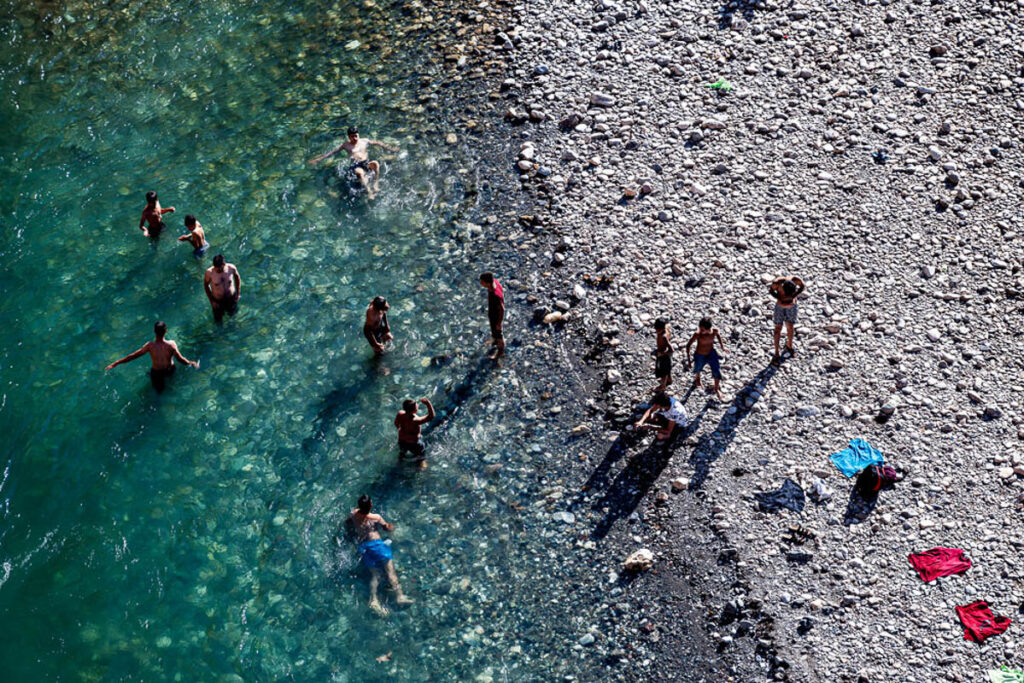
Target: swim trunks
column 784, row 315
column 199, row 251
column 228, row 305
column 417, row 449
column 663, row 366
column 159, row 377
column 365, row 165
column 375, row 554
column 710, row 359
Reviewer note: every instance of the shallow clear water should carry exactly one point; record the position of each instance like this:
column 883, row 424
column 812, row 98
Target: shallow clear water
column 191, row 535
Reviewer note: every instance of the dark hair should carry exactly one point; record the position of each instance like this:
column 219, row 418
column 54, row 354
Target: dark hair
column 160, row 328
column 705, row 323
column 218, row 260
column 661, row 399
column 364, row 503
column 352, row 130
column 150, row 197
column 660, row 323
column 789, row 288
column 487, row 277
column 190, row 220
column 408, row 405
column 379, row 303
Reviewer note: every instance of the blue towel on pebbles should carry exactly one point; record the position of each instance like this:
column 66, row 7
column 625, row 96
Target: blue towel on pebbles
column 859, row 455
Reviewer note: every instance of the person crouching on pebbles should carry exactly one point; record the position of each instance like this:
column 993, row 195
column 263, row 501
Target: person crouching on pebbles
column 705, row 354
column 662, row 355
column 663, row 417
column 495, row 311
column 785, row 290
column 409, row 429
column 374, row 553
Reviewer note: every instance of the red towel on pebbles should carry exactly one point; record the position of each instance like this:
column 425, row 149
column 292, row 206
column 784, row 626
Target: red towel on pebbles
column 979, row 622
column 937, row 562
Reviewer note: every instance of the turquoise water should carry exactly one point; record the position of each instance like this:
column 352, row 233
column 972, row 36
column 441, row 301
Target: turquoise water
column 192, row 535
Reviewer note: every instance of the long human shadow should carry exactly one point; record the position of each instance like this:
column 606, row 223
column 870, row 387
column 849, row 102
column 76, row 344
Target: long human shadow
column 859, row 507
column 622, row 496
column 712, row 445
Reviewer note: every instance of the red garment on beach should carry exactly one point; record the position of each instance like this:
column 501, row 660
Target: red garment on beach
column 937, row 562
column 979, row 622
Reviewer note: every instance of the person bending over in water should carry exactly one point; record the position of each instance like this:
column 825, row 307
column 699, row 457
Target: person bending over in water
column 153, row 215
column 376, row 327
column 409, row 427
column 664, row 415
column 223, row 287
column 359, row 154
column 162, row 353
column 374, row 553
column 196, row 236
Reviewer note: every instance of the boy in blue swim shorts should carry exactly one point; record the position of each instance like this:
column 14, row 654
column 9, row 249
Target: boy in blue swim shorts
column 705, row 354
column 374, row 553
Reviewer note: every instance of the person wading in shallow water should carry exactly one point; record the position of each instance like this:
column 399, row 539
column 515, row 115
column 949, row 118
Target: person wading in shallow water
column 196, row 236
column 785, row 291
column 375, row 553
column 223, row 287
column 359, row 154
column 162, row 353
column 409, row 428
column 495, row 311
column 376, row 328
column 153, row 215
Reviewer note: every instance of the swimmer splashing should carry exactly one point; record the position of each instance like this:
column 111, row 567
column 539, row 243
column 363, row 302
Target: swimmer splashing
column 359, row 156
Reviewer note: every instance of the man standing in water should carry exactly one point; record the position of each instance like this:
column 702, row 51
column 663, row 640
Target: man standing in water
column 409, row 429
column 162, row 353
column 376, row 328
column 785, row 291
column 375, row 553
column 153, row 214
column 495, row 311
column 359, row 155
column 223, row 287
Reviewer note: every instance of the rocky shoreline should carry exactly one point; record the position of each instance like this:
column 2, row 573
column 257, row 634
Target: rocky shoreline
column 873, row 149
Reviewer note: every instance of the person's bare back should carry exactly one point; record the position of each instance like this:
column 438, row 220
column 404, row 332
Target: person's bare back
column 365, row 525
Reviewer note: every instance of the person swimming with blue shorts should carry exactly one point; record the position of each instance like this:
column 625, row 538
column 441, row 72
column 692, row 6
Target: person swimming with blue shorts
column 374, row 553
column 196, row 236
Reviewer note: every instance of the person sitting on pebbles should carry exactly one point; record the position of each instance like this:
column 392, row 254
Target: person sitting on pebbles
column 374, row 553
column 785, row 290
column 663, row 416
column 359, row 155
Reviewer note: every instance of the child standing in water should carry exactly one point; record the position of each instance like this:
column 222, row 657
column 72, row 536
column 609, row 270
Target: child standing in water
column 153, row 215
column 705, row 337
column 196, row 236
column 662, row 355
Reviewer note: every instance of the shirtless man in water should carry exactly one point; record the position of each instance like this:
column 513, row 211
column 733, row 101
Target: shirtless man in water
column 359, row 154
column 409, row 427
column 376, row 328
column 375, row 553
column 152, row 214
column 196, row 236
column 223, row 287
column 162, row 353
